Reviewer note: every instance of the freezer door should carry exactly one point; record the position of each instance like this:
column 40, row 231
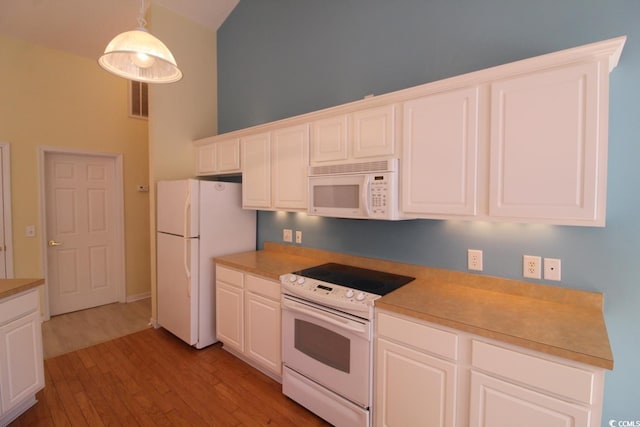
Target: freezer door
column 177, row 277
column 178, row 207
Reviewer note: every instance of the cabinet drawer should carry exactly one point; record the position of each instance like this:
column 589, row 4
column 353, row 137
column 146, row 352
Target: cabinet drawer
column 229, row 276
column 564, row 380
column 266, row 288
column 18, row 306
column 418, row 335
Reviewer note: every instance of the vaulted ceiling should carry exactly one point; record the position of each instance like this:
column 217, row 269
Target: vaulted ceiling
column 84, row 27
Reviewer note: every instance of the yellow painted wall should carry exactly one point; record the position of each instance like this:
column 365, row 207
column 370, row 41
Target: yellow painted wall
column 55, row 99
column 184, row 111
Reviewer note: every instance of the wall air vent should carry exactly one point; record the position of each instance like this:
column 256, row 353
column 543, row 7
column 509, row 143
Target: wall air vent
column 388, row 165
column 138, row 100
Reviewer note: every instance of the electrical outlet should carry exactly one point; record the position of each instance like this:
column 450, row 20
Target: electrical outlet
column 287, row 235
column 552, row 269
column 531, row 266
column 474, row 259
column 298, row 236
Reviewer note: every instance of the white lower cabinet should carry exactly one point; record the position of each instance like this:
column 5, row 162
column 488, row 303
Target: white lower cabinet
column 248, row 318
column 430, row 375
column 415, row 384
column 21, row 357
column 263, row 322
column 414, row 388
column 497, row 403
column 510, row 384
column 230, row 315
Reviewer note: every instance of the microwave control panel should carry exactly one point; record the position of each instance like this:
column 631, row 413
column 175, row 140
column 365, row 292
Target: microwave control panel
column 379, row 194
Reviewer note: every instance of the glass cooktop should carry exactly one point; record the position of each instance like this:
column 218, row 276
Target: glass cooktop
column 362, row 279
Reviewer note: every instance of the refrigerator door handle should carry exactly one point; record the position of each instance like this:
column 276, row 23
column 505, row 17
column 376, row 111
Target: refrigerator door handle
column 187, row 271
column 187, row 208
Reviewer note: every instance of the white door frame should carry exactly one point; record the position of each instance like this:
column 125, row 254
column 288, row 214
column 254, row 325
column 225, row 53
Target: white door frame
column 43, row 151
column 6, row 206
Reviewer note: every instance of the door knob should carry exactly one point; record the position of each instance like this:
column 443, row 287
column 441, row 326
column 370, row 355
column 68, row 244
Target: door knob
column 54, row 243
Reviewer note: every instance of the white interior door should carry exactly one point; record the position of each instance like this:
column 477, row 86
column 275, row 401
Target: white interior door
column 84, row 236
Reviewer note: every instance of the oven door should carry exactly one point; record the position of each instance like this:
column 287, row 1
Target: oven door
column 329, row 347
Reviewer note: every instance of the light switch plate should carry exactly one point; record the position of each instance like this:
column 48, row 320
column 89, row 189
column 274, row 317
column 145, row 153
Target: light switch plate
column 287, row 235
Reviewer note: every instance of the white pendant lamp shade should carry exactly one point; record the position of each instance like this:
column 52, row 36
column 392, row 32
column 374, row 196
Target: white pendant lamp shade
column 137, row 55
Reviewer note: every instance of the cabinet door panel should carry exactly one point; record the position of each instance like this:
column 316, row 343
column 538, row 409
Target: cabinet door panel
column 374, row 132
column 329, row 139
column 206, row 156
column 230, row 316
column 290, row 167
column 548, row 156
column 412, row 388
column 263, row 323
column 256, row 171
column 21, row 366
column 228, row 156
column 495, row 403
column 440, row 153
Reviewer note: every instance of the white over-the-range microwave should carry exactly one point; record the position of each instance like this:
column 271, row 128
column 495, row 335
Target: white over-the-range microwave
column 364, row 190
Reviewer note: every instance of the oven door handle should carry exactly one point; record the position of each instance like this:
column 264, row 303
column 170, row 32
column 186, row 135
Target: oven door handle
column 347, row 324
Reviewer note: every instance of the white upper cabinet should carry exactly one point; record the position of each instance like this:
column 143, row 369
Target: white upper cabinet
column 330, row 139
column 364, row 133
column 256, row 171
column 290, row 164
column 218, row 157
column 520, row 142
column 439, row 152
column 549, row 145
column 374, row 132
column 275, row 166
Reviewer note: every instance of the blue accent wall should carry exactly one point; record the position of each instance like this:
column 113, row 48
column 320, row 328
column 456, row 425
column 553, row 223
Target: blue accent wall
column 280, row 58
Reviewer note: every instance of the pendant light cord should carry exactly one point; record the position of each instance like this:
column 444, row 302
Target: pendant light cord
column 142, row 23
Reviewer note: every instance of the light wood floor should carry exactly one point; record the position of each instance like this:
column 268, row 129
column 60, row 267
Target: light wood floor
column 72, row 331
column 151, row 378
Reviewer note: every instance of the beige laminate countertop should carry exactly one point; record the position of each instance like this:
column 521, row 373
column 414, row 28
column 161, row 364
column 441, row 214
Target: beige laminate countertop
column 9, row 287
column 559, row 321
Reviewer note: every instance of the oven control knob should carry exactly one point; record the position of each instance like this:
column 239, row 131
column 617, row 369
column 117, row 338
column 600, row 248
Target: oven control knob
column 292, row 278
column 300, row 280
column 360, row 296
column 349, row 293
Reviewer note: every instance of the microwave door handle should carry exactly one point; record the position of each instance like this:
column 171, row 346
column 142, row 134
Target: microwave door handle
column 365, row 197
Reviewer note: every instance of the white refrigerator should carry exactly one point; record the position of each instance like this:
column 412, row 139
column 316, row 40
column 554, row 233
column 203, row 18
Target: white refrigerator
column 196, row 221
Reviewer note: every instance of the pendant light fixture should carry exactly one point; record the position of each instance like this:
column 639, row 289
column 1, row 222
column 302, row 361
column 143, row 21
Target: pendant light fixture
column 137, row 55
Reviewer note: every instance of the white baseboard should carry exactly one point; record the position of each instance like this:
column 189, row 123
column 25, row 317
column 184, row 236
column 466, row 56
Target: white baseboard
column 132, row 298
